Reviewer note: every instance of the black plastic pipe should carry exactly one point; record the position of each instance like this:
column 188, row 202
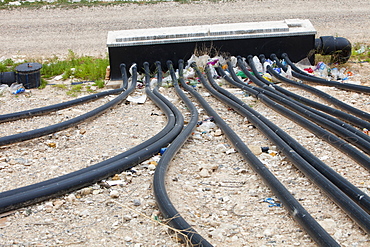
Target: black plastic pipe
column 122, row 67
column 335, row 112
column 326, row 121
column 171, row 121
column 296, row 72
column 354, row 111
column 318, row 234
column 47, row 109
column 6, row 140
column 159, row 187
column 312, row 173
column 309, row 102
column 340, row 114
column 52, row 108
column 159, row 73
column 361, row 217
column 339, row 48
column 340, row 144
column 319, row 109
column 261, row 123
column 28, row 195
column 7, row 78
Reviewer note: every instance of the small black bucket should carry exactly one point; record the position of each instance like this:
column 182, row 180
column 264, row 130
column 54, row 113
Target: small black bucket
column 29, row 75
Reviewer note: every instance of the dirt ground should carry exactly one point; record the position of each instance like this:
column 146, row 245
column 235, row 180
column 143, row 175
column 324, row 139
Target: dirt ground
column 53, row 31
column 210, row 184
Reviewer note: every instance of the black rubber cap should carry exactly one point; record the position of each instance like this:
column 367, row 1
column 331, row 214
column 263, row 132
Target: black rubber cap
column 28, row 67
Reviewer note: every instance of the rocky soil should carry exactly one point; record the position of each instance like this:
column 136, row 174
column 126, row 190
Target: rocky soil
column 210, row 184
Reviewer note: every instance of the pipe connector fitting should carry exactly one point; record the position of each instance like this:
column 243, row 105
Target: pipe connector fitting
column 339, row 48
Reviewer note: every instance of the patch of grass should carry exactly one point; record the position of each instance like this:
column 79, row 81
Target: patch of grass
column 61, row 86
column 99, row 83
column 360, row 53
column 77, row 67
column 49, row 70
column 8, row 62
column 43, row 83
column 75, row 90
column 321, row 58
column 3, row 68
column 84, row 68
column 8, row 65
column 89, row 90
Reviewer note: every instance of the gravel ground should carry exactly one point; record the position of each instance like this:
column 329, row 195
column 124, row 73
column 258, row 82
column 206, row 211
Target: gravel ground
column 211, row 186
column 49, row 31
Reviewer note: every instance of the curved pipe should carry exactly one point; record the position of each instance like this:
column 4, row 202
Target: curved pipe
column 306, row 77
column 170, row 125
column 323, row 108
column 326, row 121
column 296, row 72
column 28, row 195
column 293, row 206
column 124, row 76
column 307, row 102
column 6, row 140
column 338, row 47
column 47, row 109
column 340, row 114
column 159, row 188
column 361, row 217
column 336, row 142
column 261, row 122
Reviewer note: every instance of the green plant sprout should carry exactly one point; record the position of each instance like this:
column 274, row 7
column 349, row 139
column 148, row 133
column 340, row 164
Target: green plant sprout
column 79, row 67
column 360, row 53
column 75, row 90
column 61, row 86
column 99, row 83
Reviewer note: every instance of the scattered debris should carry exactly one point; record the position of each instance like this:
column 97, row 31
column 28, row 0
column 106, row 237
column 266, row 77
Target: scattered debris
column 272, row 202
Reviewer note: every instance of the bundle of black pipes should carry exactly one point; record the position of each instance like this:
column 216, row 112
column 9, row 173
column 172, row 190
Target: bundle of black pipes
column 351, row 199
column 341, row 128
column 28, row 195
column 348, row 197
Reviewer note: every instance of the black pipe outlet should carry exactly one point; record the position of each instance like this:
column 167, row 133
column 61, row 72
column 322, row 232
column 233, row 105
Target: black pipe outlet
column 7, row 78
column 339, row 48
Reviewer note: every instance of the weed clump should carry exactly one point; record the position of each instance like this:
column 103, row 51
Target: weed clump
column 76, row 67
column 360, row 53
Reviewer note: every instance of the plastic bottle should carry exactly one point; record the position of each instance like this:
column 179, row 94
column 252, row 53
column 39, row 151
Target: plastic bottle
column 322, row 69
column 3, row 89
column 258, row 64
column 16, row 88
column 206, row 126
column 335, row 73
